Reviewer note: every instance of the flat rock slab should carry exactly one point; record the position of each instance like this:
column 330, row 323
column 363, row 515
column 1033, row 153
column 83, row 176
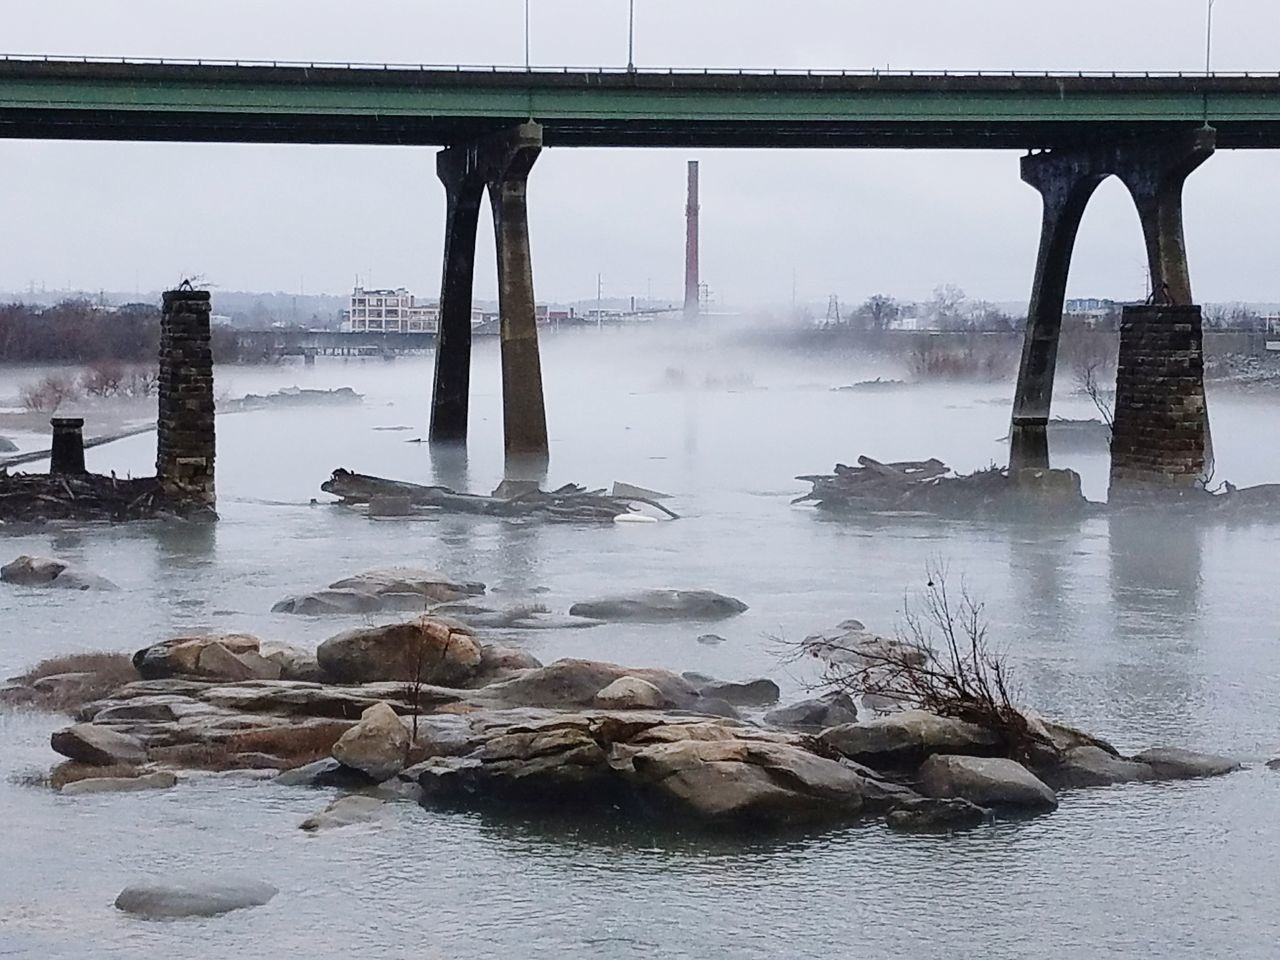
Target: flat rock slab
column 98, row 746
column 985, row 781
column 193, row 898
column 661, row 606
column 160, row 780
column 31, row 571
column 1171, row 763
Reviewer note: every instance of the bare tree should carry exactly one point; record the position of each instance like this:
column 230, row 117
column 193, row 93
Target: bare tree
column 1087, row 380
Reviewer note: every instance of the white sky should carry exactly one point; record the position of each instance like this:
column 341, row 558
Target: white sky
column 87, row 215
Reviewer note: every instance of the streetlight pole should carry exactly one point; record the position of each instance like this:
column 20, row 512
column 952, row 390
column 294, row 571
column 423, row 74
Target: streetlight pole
column 631, row 37
column 1208, row 40
column 526, row 36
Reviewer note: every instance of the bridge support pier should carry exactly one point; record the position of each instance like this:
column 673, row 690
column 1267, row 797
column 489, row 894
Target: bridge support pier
column 501, row 164
column 1154, row 170
column 186, row 444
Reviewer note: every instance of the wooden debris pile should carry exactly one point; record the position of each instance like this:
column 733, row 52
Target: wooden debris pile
column 35, row 497
column 568, row 503
column 927, row 486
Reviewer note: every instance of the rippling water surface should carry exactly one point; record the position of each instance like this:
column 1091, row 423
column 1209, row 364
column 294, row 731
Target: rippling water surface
column 1142, row 633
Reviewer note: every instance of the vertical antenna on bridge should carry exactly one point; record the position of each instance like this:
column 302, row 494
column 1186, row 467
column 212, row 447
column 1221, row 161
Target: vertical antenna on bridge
column 691, row 280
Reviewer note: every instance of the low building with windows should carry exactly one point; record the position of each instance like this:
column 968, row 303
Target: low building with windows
column 390, row 311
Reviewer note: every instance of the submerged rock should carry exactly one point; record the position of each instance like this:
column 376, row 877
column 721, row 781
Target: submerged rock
column 159, row 780
column 1090, row 766
column 744, row 693
column 433, row 650
column 31, row 571
column 403, row 589
column 933, row 814
column 1172, row 763
column 660, row 606
column 195, row 897
column 908, row 737
column 344, row 812
column 98, row 746
column 1273, row 764
column 324, row 773
column 985, row 781
column 376, row 746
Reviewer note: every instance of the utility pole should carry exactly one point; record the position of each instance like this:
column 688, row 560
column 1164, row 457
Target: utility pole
column 526, row 36
column 599, row 300
column 631, row 37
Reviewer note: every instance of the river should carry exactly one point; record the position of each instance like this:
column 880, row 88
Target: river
column 1143, row 633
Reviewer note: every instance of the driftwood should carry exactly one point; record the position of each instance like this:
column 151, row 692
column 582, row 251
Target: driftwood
column 87, row 497
column 570, row 502
column 911, row 485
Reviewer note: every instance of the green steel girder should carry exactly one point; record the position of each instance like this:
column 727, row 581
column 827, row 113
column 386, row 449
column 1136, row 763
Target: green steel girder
column 301, row 104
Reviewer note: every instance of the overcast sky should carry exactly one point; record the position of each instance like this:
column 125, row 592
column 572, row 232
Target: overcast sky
column 287, row 218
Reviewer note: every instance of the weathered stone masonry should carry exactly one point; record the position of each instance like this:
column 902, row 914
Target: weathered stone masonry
column 1160, row 438
column 185, row 452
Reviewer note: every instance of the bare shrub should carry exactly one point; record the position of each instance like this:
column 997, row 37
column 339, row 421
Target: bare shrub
column 939, row 660
column 98, row 674
column 1087, row 381
column 50, row 393
column 141, row 384
column 102, row 379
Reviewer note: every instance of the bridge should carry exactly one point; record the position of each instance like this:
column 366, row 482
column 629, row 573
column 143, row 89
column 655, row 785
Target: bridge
column 1149, row 130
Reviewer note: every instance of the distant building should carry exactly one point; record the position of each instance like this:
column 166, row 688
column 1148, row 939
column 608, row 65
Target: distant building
column 391, row 311
column 1092, row 310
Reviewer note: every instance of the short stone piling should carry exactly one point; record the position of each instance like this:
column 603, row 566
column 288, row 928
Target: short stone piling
column 66, row 456
column 186, row 447
column 1159, row 442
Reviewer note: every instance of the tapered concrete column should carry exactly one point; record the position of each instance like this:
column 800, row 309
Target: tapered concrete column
column 523, row 408
column 1066, row 181
column 1155, row 175
column 1154, row 170
column 463, row 176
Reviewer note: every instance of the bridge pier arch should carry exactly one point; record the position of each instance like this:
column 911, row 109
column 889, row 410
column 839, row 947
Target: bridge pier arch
column 499, row 164
column 1154, row 170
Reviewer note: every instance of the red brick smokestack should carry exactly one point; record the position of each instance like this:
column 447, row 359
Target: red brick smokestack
column 691, row 244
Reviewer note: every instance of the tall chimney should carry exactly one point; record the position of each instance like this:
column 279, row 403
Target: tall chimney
column 691, row 244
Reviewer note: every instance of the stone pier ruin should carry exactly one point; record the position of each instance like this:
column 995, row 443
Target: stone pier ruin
column 186, row 446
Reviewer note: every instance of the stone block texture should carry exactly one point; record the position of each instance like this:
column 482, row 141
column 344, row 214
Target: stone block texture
column 1159, row 441
column 186, row 447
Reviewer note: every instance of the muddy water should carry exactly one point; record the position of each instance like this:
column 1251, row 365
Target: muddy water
column 1145, row 634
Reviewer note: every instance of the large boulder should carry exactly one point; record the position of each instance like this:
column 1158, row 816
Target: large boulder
column 740, row 693
column 403, row 589
column 215, row 656
column 575, row 683
column 425, row 650
column 986, row 781
column 376, row 746
column 1171, row 763
column 31, row 571
column 324, row 773
column 193, row 897
column 906, row 738
column 631, row 693
column 660, row 606
column 98, row 746
column 295, row 663
column 1090, row 766
column 830, row 710
column 499, row 662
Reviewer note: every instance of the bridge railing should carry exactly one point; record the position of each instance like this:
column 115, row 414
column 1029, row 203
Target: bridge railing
column 621, row 70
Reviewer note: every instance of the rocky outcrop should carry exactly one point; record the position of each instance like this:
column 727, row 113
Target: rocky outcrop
column 830, row 710
column 907, row 738
column 631, row 693
column 156, row 780
column 431, row 650
column 935, row 815
column 986, row 781
column 98, row 746
column 660, row 606
column 376, row 746
column 1171, row 763
column 224, row 656
column 344, row 812
column 193, row 897
column 31, row 571
column 575, row 683
column 401, row 589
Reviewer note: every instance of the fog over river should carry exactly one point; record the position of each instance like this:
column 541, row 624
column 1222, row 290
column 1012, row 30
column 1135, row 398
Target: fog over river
column 1141, row 632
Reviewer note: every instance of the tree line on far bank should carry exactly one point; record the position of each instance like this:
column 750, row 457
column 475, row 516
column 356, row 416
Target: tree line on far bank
column 78, row 331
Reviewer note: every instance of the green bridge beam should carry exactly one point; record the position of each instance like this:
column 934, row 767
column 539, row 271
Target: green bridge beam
column 330, row 104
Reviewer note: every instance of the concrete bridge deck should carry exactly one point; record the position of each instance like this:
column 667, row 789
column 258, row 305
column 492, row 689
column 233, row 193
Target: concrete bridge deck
column 370, row 104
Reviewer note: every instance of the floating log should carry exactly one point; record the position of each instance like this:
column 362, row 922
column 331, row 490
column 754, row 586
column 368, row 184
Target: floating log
column 568, row 503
